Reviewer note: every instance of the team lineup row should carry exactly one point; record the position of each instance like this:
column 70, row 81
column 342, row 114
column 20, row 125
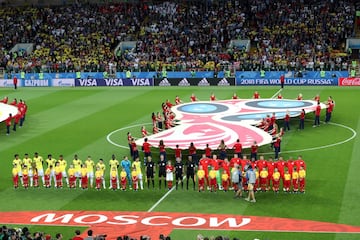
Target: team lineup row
column 209, row 173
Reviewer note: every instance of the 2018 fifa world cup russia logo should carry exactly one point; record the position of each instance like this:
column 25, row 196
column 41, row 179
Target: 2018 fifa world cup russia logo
column 209, row 122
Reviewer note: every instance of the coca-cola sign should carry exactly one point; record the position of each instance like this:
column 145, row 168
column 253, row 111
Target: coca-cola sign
column 349, row 81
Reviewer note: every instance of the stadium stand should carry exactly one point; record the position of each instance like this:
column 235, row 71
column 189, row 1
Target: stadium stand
column 300, row 34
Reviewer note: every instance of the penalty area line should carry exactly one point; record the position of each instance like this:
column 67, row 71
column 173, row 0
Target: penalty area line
column 162, row 198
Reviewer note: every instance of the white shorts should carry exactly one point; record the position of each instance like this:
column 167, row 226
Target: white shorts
column 90, row 174
column 139, row 176
column 52, row 173
column 64, row 175
column 77, row 174
column 20, row 173
column 41, row 172
column 169, row 176
column 30, row 173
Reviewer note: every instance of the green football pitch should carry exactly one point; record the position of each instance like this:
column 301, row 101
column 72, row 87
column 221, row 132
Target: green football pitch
column 72, row 121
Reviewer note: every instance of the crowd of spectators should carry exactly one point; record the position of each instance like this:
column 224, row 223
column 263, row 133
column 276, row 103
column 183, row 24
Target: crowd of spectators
column 297, row 34
column 24, row 234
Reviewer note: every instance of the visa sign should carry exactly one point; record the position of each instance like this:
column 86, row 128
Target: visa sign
column 94, row 82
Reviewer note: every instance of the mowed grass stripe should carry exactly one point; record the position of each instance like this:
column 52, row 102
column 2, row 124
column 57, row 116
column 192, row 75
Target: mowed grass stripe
column 73, row 129
column 350, row 210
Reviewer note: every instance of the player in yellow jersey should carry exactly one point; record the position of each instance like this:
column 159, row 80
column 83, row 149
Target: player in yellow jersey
column 38, row 160
column 134, row 178
column 63, row 165
column 276, row 180
column 84, row 179
column 295, row 180
column 213, row 182
column 58, row 175
column 98, row 178
column 72, row 177
column 302, row 176
column 263, row 179
column 28, row 163
column 90, row 170
column 123, row 177
column 102, row 168
column 137, row 165
column 17, row 161
column 25, row 173
column 201, row 178
column 114, row 163
column 287, row 181
column 225, row 181
column 50, row 161
column 15, row 176
column 47, row 177
column 114, row 178
column 77, row 165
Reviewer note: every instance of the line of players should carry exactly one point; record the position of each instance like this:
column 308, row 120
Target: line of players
column 17, row 119
column 210, row 173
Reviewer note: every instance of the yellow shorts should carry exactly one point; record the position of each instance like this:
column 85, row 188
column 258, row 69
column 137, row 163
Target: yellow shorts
column 250, row 187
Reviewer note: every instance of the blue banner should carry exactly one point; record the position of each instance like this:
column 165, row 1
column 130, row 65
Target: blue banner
column 288, row 81
column 116, row 82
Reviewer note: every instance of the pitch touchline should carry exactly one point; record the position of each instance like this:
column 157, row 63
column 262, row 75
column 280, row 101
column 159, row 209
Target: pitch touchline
column 163, row 197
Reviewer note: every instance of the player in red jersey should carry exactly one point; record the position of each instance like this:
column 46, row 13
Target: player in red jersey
column 5, row 100
column 208, row 151
column 280, row 165
column 159, row 120
column 261, row 163
column 162, row 149
column 192, row 153
column 129, row 138
column 205, row 163
column 177, row 100
column 168, row 103
column 212, row 97
column 317, row 115
column 178, row 153
column 216, row 165
column 290, row 164
column 270, row 166
column 17, row 118
column 282, row 80
column 329, row 109
column 153, row 118
column 253, row 151
column 8, row 123
column 14, row 102
column 299, row 162
column 235, row 161
column 135, row 150
column 155, row 129
column 317, row 98
column 193, row 98
column 256, row 95
column 146, row 147
column 302, row 119
column 238, row 148
column 299, row 97
column 234, row 96
column 144, row 132
column 277, row 145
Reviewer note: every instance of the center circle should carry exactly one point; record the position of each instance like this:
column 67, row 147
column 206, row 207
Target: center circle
column 278, row 104
column 203, row 108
